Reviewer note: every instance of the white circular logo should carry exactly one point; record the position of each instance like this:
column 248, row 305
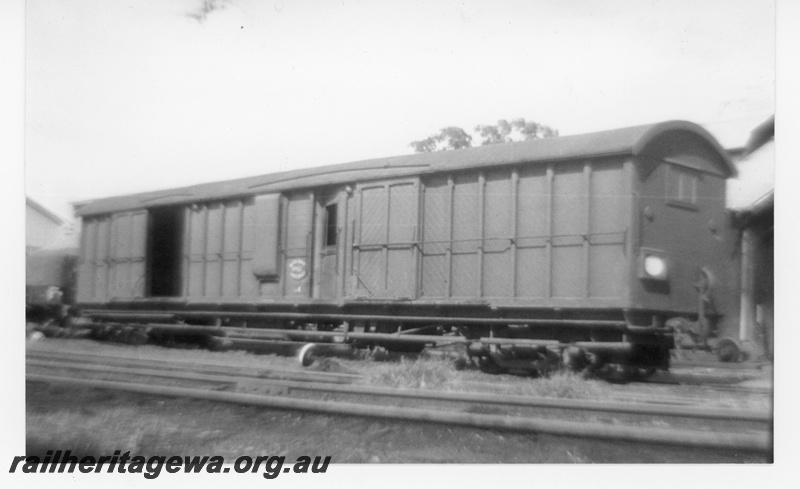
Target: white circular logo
column 297, row 268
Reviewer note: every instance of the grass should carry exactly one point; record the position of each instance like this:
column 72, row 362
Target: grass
column 565, row 384
column 437, row 373
column 423, row 372
column 99, row 433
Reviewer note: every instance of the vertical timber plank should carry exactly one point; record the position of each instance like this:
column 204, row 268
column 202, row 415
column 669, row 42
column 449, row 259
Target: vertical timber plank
column 187, row 249
column 481, row 230
column 203, row 291
column 514, row 211
column 587, row 185
column 240, row 252
column 387, row 192
column 451, row 192
column 549, row 243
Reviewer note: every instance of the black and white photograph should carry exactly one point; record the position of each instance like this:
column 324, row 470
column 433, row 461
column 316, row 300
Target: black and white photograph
column 274, row 240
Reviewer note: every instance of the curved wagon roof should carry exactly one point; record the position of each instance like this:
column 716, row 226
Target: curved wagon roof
column 645, row 141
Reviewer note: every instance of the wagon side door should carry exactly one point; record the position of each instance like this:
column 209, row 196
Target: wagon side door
column 94, row 260
column 298, row 244
column 128, row 247
column 329, row 235
column 385, row 251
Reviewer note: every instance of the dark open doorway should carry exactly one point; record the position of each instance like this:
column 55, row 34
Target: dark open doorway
column 164, row 250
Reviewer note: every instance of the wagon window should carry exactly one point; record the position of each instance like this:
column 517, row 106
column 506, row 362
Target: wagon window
column 682, row 186
column 331, row 213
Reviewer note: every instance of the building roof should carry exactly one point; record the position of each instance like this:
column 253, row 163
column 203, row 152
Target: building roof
column 761, row 135
column 43, row 211
column 626, row 141
column 755, row 183
column 763, row 205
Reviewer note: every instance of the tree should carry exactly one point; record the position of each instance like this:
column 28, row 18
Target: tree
column 448, row 138
column 503, row 132
column 516, row 130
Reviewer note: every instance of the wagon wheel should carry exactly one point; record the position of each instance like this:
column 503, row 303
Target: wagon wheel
column 574, row 359
column 410, row 347
column 620, row 373
column 460, row 363
column 748, row 349
column 630, row 373
column 306, row 354
column 682, row 335
column 646, row 373
column 728, row 351
column 487, row 365
column 548, row 363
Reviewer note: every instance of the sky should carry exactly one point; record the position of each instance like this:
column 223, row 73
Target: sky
column 130, row 96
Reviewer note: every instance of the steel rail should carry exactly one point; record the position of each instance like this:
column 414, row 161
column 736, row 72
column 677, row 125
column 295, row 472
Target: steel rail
column 751, row 442
column 715, row 364
column 731, row 388
column 460, row 397
column 238, row 370
column 144, row 372
column 619, row 397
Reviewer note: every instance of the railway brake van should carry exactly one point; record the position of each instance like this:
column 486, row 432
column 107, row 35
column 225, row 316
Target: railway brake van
column 578, row 247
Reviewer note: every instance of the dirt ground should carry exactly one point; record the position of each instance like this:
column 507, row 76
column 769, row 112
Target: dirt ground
column 97, row 422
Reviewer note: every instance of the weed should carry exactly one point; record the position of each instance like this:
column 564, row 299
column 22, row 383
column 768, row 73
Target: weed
column 564, row 384
column 420, row 373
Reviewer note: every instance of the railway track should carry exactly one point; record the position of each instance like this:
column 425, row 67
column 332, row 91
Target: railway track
column 229, row 370
column 303, row 390
column 641, row 393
